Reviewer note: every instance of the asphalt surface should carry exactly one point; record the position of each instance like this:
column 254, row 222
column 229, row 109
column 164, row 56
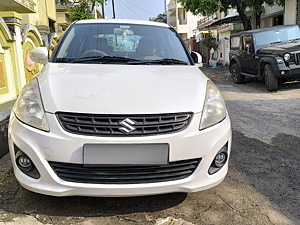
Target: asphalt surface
column 262, row 185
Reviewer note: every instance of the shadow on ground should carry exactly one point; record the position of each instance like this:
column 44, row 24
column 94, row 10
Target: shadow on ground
column 17, row 200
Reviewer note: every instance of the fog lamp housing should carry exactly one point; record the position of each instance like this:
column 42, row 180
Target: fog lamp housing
column 25, row 164
column 219, row 160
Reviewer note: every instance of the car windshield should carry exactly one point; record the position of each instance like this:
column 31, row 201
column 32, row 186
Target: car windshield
column 121, row 43
column 277, row 36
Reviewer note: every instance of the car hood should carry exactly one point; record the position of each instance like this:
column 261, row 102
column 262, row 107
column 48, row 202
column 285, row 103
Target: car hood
column 122, row 89
column 289, row 47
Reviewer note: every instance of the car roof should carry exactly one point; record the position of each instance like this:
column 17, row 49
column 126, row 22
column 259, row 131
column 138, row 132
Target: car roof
column 261, row 30
column 123, row 21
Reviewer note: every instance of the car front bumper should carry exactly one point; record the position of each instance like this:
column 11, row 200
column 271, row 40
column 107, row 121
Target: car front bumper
column 283, row 71
column 61, row 146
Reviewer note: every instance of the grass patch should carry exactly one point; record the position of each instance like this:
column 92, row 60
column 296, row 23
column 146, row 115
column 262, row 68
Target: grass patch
column 4, row 176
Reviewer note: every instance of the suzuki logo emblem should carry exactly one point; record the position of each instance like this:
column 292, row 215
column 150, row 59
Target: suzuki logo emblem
column 127, row 126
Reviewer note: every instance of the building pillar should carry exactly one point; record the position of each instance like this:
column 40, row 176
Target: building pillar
column 291, row 12
column 176, row 16
column 45, row 33
column 13, row 21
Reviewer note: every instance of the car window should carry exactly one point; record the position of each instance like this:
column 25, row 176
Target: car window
column 247, row 40
column 235, row 42
column 140, row 42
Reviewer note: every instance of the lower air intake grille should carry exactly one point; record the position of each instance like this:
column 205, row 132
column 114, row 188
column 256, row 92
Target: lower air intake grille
column 125, row 174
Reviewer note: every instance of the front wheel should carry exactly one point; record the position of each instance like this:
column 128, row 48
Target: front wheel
column 236, row 74
column 270, row 78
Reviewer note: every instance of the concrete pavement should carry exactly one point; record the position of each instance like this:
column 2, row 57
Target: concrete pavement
column 217, row 71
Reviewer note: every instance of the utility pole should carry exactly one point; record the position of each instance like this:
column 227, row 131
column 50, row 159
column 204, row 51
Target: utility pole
column 103, row 14
column 113, row 8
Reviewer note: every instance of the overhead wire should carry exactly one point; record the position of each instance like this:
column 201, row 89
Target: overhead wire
column 127, row 5
column 138, row 7
column 122, row 8
column 131, row 10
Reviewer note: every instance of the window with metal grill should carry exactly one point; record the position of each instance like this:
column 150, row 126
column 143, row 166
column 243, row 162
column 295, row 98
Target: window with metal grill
column 125, row 174
column 109, row 125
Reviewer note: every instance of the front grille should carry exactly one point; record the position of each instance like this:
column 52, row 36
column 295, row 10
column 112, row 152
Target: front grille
column 297, row 58
column 108, row 125
column 125, row 174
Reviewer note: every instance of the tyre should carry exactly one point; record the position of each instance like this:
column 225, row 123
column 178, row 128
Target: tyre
column 236, row 75
column 271, row 80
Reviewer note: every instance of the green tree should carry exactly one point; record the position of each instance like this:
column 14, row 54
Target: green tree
column 210, row 41
column 205, row 7
column 160, row 18
column 83, row 9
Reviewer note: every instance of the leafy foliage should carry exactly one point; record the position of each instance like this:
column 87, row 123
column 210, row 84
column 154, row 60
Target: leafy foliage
column 210, row 41
column 83, row 9
column 201, row 6
column 206, row 7
column 80, row 12
column 160, row 18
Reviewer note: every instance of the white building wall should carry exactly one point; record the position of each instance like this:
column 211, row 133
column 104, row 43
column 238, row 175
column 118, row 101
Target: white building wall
column 290, row 12
column 223, row 50
column 270, row 10
column 269, row 13
column 183, row 21
column 191, row 24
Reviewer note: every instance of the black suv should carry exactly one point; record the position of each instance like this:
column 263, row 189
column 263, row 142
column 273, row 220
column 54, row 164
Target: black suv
column 269, row 53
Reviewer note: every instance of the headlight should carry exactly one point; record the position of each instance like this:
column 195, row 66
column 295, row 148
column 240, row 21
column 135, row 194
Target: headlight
column 214, row 110
column 29, row 107
column 287, row 56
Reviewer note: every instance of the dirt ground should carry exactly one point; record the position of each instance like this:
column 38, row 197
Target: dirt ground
column 262, row 186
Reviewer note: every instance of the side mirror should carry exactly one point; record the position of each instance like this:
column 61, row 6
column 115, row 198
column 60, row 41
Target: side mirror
column 197, row 59
column 39, row 55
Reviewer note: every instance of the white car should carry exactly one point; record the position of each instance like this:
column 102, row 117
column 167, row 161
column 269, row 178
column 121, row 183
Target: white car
column 120, row 109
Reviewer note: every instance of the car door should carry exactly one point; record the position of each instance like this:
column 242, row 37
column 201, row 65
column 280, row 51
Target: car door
column 248, row 61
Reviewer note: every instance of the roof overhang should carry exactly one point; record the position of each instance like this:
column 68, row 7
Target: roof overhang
column 19, row 6
column 226, row 20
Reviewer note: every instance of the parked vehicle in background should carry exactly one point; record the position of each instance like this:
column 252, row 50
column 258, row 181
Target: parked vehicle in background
column 120, row 109
column 272, row 54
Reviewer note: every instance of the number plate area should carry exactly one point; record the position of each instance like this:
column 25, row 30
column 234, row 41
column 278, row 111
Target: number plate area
column 125, row 154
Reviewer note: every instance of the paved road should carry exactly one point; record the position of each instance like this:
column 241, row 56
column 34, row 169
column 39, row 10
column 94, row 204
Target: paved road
column 262, row 186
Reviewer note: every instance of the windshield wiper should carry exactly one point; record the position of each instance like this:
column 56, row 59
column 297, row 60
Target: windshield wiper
column 293, row 40
column 63, row 60
column 105, row 58
column 273, row 43
column 165, row 61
